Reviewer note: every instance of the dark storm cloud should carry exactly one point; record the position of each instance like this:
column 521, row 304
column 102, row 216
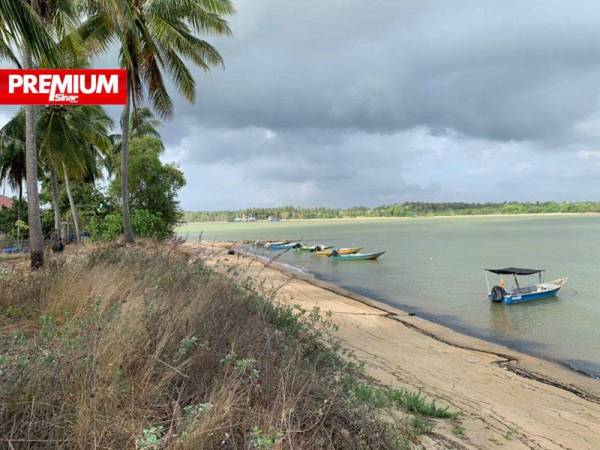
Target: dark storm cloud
column 506, row 70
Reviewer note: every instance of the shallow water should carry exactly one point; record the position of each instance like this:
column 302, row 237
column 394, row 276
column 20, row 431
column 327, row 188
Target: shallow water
column 434, row 267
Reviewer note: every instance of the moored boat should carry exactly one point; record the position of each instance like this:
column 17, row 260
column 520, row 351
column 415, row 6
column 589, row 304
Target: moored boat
column 282, row 245
column 275, row 244
column 518, row 294
column 356, row 256
column 313, row 248
column 341, row 251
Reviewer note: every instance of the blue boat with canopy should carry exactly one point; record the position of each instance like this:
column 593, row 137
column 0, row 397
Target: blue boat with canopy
column 522, row 292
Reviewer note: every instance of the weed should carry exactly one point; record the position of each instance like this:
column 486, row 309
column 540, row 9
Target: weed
column 380, row 397
column 416, row 402
column 458, row 430
column 19, row 338
column 246, row 366
column 421, row 425
column 150, row 437
column 186, row 345
column 11, row 312
column 48, row 327
column 261, row 440
column 194, row 410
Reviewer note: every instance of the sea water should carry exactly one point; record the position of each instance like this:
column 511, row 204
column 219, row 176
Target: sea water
column 434, row 267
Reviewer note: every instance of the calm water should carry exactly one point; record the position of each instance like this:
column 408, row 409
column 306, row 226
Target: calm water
column 434, row 268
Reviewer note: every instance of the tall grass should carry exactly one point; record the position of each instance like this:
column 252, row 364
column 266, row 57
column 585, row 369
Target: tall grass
column 143, row 347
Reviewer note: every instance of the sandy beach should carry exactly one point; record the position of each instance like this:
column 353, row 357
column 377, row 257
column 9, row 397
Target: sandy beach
column 508, row 399
column 406, row 218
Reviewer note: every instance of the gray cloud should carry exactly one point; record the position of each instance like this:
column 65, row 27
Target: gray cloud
column 508, row 70
column 347, row 102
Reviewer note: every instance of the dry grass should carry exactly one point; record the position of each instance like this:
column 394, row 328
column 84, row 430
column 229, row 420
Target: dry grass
column 143, row 347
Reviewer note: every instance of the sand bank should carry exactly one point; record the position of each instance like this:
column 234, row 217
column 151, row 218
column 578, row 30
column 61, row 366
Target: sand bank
column 401, row 218
column 509, row 399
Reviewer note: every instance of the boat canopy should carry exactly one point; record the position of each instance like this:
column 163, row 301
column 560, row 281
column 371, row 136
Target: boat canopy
column 515, row 271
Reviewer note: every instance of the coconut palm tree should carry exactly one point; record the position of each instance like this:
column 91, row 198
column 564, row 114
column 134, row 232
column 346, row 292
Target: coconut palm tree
column 155, row 37
column 12, row 157
column 72, row 140
column 25, row 24
column 143, row 123
column 20, row 25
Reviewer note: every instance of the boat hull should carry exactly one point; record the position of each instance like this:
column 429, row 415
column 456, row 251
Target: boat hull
column 341, row 251
column 513, row 299
column 313, row 248
column 274, row 247
column 358, row 257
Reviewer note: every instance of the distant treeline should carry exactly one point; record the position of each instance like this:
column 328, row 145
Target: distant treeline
column 408, row 209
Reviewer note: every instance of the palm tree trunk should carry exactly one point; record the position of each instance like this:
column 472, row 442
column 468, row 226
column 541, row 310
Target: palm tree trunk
column 36, row 238
column 127, row 231
column 72, row 203
column 57, row 244
column 55, row 201
column 19, row 211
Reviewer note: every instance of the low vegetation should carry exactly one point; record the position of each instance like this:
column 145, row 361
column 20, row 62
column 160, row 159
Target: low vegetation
column 144, row 347
column 153, row 187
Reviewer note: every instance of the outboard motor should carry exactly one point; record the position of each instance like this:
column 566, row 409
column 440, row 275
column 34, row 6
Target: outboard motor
column 497, row 294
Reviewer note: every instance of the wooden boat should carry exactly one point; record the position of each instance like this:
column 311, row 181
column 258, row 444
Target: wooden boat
column 282, row 245
column 518, row 293
column 341, row 251
column 313, row 248
column 356, row 256
column 273, row 245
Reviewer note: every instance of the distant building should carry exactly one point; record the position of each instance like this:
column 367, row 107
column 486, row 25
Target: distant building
column 6, row 202
column 245, row 219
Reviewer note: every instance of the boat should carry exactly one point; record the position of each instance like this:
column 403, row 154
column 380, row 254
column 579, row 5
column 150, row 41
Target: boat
column 519, row 294
column 275, row 244
column 313, row 248
column 341, row 251
column 11, row 250
column 356, row 256
column 282, row 245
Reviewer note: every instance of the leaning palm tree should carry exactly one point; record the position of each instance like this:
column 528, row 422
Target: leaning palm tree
column 155, row 37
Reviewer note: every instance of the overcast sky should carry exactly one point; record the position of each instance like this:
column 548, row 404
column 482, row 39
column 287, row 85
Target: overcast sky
column 347, row 102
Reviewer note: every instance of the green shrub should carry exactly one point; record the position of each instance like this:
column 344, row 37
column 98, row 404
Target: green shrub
column 107, row 228
column 144, row 223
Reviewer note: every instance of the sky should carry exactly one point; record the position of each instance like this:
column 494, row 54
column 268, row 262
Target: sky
column 346, row 102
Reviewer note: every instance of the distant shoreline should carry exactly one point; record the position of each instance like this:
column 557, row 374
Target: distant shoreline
column 405, row 218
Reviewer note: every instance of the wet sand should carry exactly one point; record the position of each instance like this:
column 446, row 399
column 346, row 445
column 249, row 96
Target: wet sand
column 508, row 399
